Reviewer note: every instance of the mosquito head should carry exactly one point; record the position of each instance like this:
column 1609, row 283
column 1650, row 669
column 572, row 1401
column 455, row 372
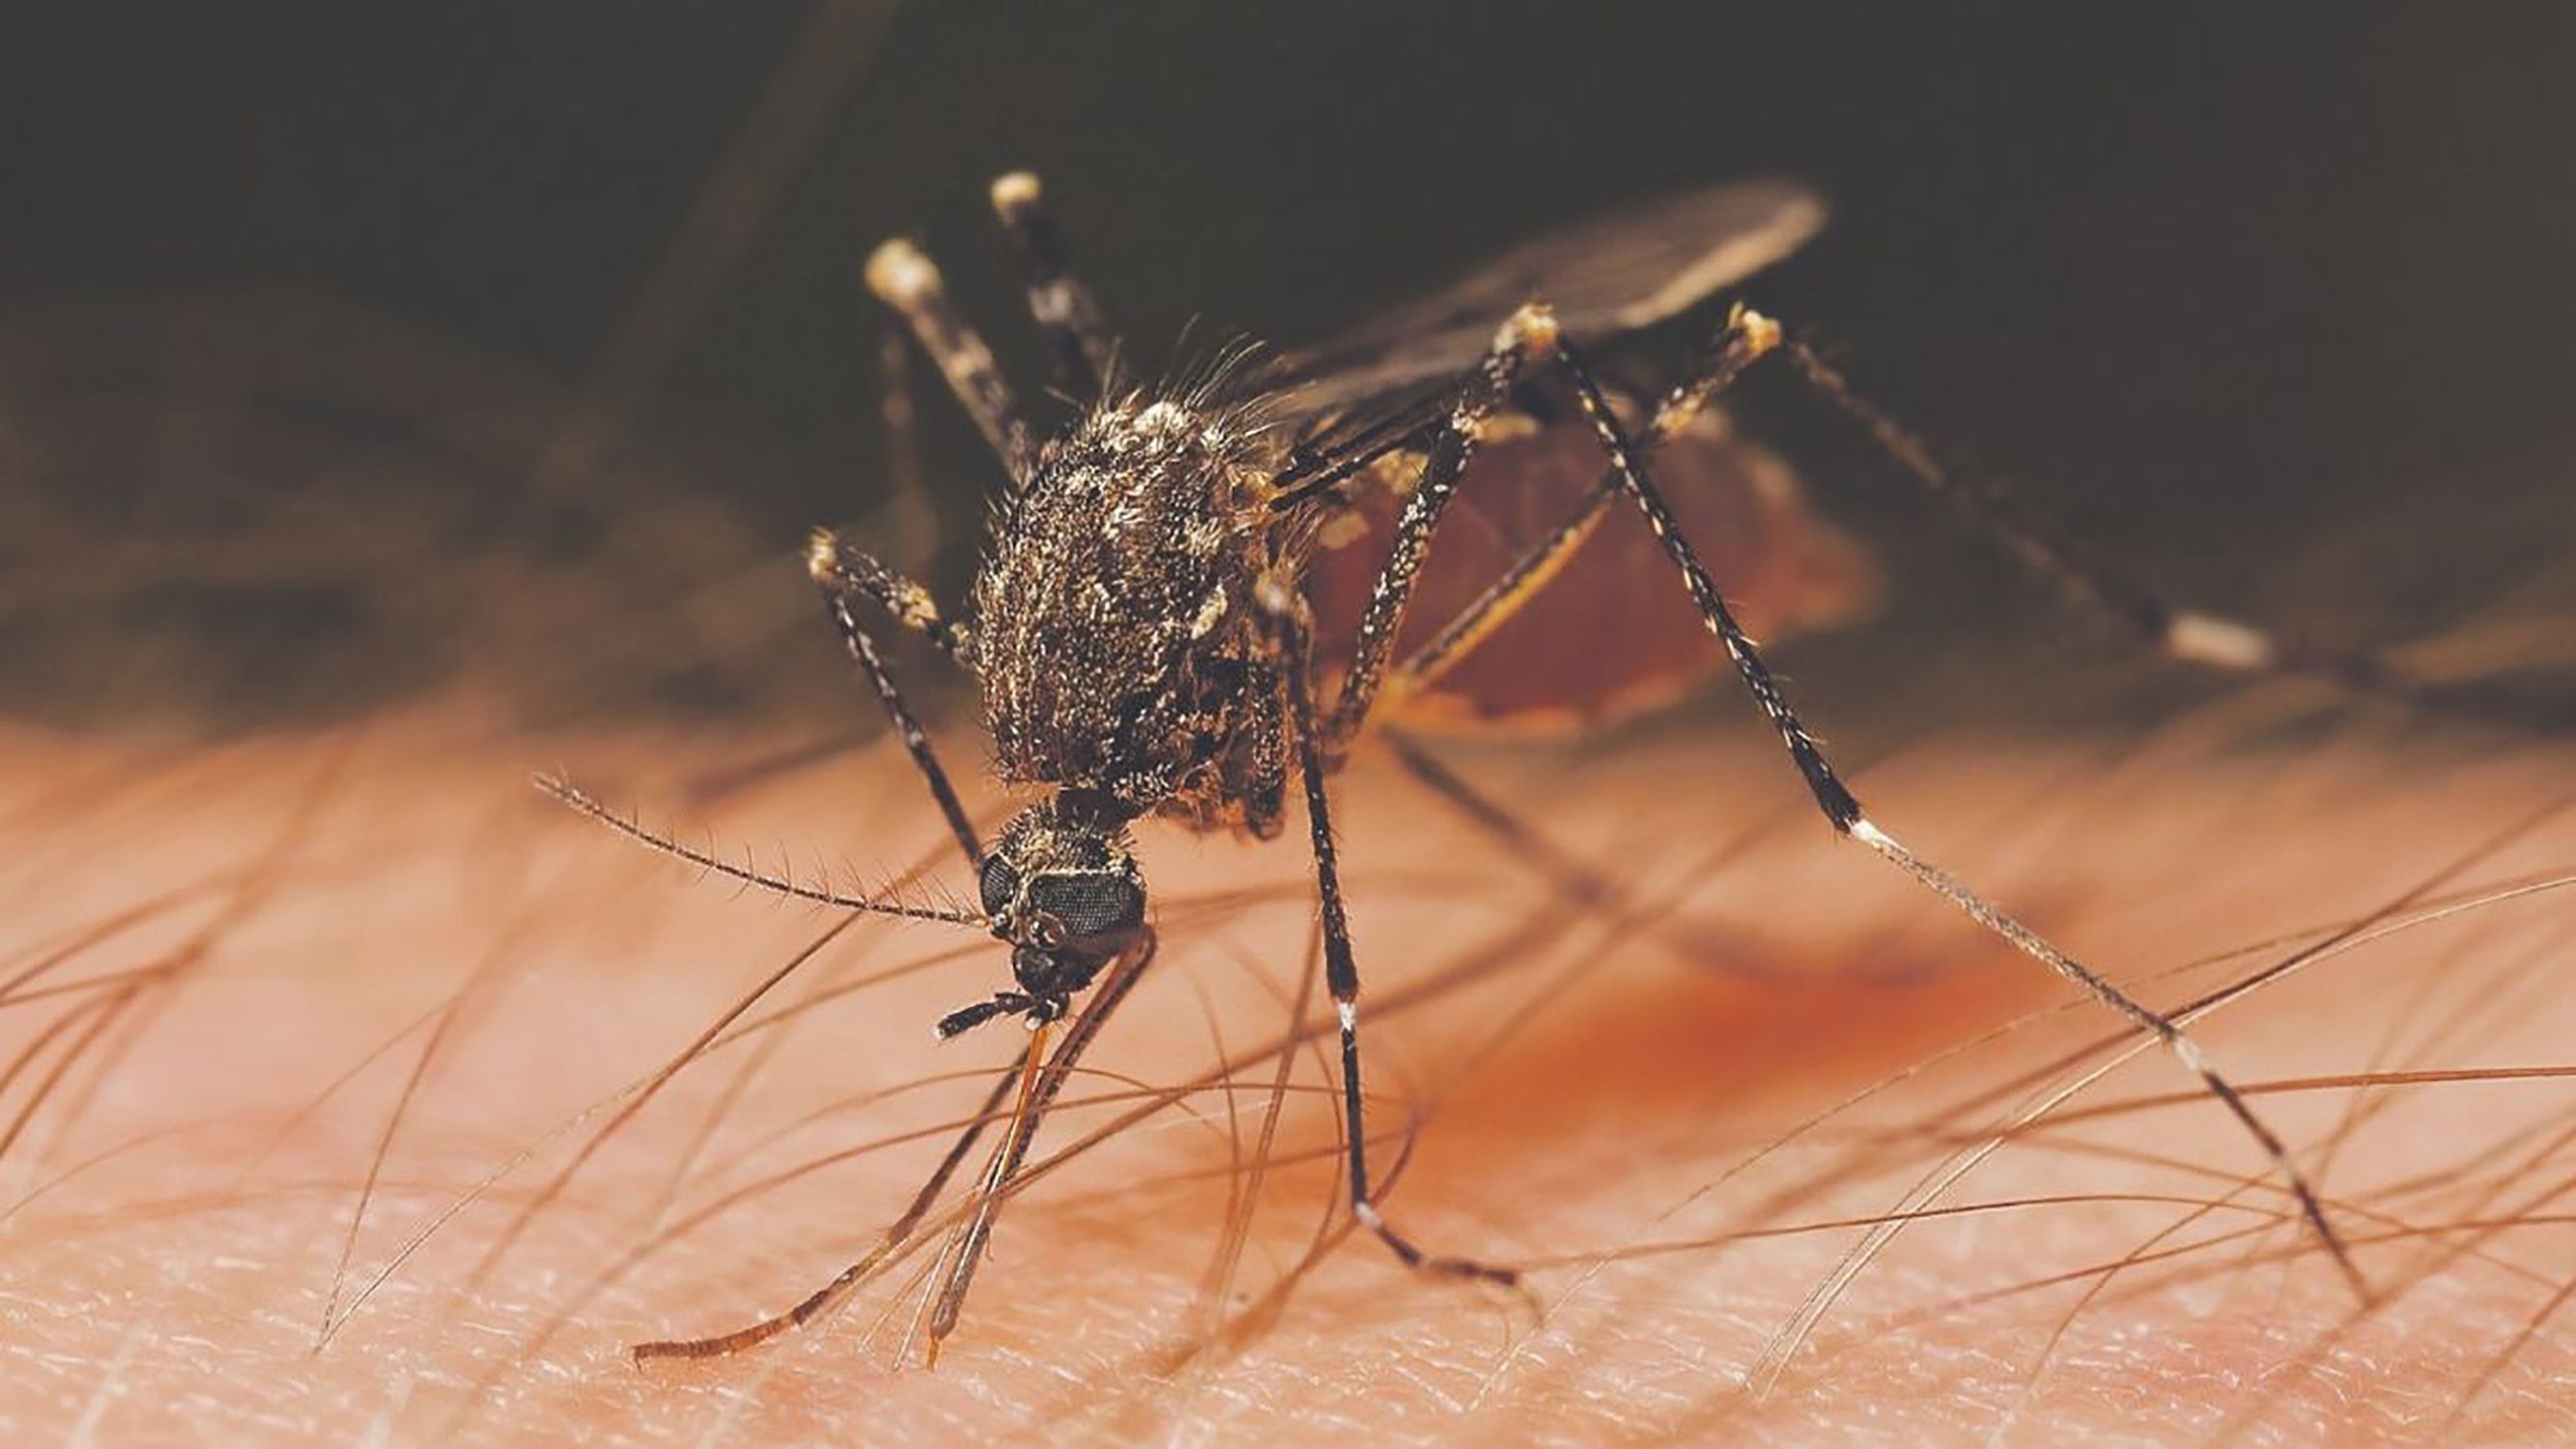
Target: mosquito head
column 1061, row 885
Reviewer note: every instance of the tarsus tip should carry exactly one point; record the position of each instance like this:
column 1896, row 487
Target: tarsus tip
column 898, row 272
column 1015, row 191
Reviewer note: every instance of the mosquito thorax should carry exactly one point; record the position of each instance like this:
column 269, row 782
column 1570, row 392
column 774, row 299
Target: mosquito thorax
column 1112, row 612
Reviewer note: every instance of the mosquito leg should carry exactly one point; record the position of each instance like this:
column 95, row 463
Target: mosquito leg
column 845, row 576
column 1341, row 970
column 1844, row 812
column 1530, row 333
column 853, row 575
column 1077, row 335
column 1263, row 785
column 906, row 281
column 2179, row 633
column 1747, row 337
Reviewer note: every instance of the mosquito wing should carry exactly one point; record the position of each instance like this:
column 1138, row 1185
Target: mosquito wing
column 1615, row 273
column 1615, row 633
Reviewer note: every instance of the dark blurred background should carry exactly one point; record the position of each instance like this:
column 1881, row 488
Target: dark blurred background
column 349, row 350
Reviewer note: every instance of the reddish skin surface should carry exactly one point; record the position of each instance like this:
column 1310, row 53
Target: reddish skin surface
column 170, row 1293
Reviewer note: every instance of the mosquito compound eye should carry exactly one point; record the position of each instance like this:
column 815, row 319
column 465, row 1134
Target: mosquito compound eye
column 999, row 885
column 1089, row 904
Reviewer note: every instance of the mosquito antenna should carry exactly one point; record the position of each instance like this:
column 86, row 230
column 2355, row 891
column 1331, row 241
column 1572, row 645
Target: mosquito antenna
column 749, row 875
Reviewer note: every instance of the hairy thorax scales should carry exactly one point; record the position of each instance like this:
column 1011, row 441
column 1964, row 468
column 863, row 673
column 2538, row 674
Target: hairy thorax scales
column 1115, row 631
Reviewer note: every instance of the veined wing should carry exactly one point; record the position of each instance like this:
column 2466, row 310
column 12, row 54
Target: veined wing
column 1614, row 273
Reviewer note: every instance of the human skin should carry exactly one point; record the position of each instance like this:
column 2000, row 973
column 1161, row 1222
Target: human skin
column 1567, row 1094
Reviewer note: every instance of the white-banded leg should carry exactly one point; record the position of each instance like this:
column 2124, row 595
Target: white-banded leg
column 1529, row 334
column 1078, row 337
column 846, row 572
column 846, row 576
column 906, row 281
column 1341, row 968
column 1833, row 799
column 1747, row 337
column 2180, row 633
column 1844, row 812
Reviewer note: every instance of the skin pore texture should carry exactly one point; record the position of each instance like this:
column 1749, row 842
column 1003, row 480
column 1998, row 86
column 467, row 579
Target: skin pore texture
column 348, row 977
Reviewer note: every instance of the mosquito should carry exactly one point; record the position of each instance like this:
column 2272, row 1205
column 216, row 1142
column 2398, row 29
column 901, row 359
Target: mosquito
column 1143, row 626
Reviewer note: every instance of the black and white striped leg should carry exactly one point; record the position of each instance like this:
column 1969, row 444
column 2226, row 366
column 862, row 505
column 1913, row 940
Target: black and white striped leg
column 1845, row 813
column 1530, row 333
column 1747, row 337
column 847, row 576
column 2184, row 634
column 1341, row 968
column 906, row 281
column 845, row 572
column 1077, row 335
